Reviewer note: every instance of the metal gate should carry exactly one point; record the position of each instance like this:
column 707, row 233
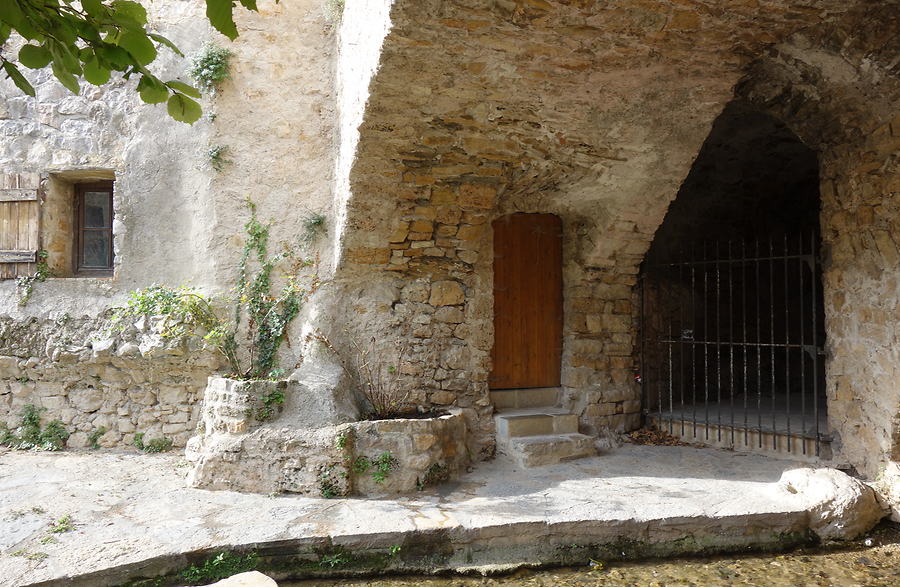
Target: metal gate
column 732, row 338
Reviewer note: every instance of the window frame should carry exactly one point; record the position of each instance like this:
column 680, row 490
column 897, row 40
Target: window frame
column 80, row 229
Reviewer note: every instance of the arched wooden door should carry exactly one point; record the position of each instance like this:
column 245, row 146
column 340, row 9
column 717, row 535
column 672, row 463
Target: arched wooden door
column 528, row 307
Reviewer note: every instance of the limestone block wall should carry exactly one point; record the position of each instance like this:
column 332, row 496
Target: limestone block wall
column 595, row 112
column 132, row 381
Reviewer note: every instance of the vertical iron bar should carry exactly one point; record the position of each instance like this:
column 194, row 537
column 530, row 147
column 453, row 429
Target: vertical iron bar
column 744, row 314
column 758, row 348
column 787, row 345
column 681, row 339
column 815, row 335
column 718, row 345
column 706, row 339
column 669, row 320
column 772, row 334
column 659, row 343
column 801, row 293
column 642, row 366
column 731, row 336
column 694, row 337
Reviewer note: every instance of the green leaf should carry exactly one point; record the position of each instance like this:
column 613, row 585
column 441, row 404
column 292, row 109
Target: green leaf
column 184, row 88
column 65, row 77
column 11, row 13
column 183, row 109
column 34, row 57
column 140, row 47
column 251, row 5
column 63, row 57
column 164, row 41
column 115, row 55
column 16, row 76
column 219, row 14
column 152, row 90
column 129, row 9
column 94, row 72
column 94, row 7
column 5, row 30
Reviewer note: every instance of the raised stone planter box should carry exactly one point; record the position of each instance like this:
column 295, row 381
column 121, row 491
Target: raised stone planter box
column 426, row 451
column 309, row 444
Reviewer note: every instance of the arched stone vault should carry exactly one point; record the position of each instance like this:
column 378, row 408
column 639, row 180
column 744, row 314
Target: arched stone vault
column 593, row 111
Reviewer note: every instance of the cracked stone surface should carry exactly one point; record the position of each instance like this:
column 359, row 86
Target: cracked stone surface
column 134, row 516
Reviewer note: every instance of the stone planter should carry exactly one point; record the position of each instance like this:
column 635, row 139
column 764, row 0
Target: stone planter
column 311, row 444
column 411, row 453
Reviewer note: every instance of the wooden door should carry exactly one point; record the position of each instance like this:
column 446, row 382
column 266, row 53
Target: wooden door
column 528, row 307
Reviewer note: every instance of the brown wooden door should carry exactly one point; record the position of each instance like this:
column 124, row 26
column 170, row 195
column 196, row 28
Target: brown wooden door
column 528, row 308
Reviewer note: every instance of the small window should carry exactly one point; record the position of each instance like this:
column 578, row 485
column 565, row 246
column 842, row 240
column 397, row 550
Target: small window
column 94, row 237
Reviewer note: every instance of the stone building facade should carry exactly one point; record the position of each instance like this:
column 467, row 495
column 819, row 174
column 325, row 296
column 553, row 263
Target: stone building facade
column 416, row 126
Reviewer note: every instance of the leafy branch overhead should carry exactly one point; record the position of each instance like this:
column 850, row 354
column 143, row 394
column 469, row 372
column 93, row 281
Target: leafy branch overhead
column 92, row 39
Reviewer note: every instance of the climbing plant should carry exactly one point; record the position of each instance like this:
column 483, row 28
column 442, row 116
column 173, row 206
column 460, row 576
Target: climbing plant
column 268, row 315
column 261, row 316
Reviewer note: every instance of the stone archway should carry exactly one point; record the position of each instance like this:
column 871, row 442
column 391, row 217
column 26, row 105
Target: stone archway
column 843, row 103
column 732, row 327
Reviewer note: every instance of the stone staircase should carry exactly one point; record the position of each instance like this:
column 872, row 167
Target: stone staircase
column 533, row 432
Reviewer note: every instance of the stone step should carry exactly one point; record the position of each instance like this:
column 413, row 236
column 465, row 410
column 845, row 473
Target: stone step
column 535, row 421
column 547, row 449
column 525, row 398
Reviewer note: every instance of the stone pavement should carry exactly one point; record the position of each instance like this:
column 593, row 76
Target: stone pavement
column 133, row 517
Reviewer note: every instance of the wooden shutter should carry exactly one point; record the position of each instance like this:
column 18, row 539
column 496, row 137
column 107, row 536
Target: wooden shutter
column 19, row 224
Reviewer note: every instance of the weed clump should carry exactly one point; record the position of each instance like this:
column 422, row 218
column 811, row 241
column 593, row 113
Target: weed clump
column 31, row 436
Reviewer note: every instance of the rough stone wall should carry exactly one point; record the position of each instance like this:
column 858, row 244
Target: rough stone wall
column 589, row 110
column 109, row 133
column 175, row 221
column 130, row 381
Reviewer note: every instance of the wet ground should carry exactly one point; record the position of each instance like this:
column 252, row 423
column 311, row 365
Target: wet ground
column 872, row 561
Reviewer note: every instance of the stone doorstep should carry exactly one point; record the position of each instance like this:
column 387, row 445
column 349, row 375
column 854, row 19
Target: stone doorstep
column 538, row 436
column 763, row 443
column 525, row 398
column 548, row 449
column 535, row 421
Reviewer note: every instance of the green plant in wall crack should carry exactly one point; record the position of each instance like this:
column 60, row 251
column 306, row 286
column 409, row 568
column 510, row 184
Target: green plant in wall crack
column 380, row 466
column 383, row 464
column 268, row 313
column 94, row 436
column 31, row 436
column 314, row 228
column 214, row 157
column 25, row 284
column 208, row 66
column 269, row 400
column 220, row 566
column 152, row 446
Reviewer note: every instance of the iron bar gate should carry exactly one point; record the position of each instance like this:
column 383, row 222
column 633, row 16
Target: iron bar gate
column 732, row 340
